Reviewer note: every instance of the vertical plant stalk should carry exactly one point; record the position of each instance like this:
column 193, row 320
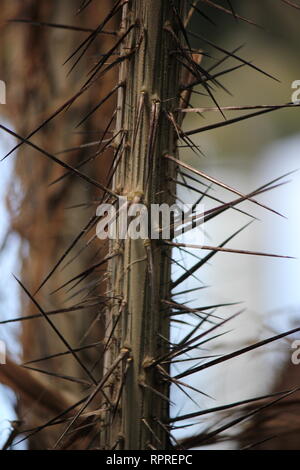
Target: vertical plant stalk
column 140, row 274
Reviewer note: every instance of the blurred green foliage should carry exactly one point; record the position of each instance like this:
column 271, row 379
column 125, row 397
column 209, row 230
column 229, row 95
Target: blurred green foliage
column 272, row 46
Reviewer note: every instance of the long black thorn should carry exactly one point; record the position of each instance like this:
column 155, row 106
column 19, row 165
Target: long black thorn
column 102, row 101
column 64, row 353
column 59, row 26
column 237, row 353
column 89, row 40
column 56, row 330
column 239, row 119
column 59, row 376
column 240, row 59
column 90, row 223
column 60, row 162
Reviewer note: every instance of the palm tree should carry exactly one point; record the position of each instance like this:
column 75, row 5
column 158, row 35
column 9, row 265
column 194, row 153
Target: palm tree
column 98, row 351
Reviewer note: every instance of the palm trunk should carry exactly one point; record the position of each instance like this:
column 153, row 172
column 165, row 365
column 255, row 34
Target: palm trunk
column 140, row 273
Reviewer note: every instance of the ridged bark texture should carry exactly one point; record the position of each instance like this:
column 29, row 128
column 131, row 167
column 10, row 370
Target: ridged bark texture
column 140, row 273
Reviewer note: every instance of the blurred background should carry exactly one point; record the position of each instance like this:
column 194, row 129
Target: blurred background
column 245, row 155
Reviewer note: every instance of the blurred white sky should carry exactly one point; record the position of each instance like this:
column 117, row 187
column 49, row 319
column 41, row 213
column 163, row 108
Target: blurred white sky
column 9, row 301
column 268, row 287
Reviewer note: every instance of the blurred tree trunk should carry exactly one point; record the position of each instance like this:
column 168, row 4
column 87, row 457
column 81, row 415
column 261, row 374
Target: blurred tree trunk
column 37, row 84
column 277, row 427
